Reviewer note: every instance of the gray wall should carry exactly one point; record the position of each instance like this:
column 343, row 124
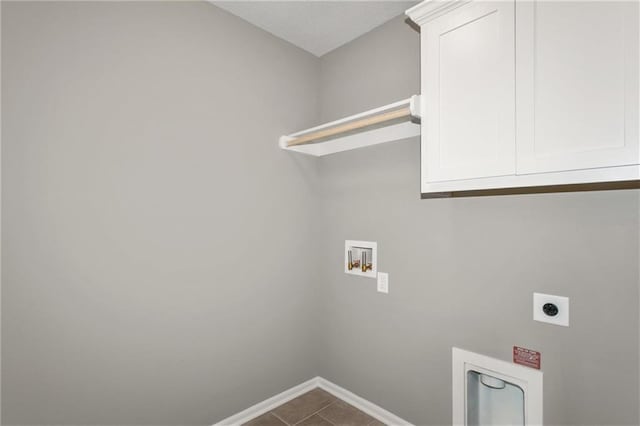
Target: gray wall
column 462, row 271
column 154, row 237
column 134, row 192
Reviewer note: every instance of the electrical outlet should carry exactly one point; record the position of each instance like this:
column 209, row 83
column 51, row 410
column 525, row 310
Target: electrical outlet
column 383, row 282
column 551, row 309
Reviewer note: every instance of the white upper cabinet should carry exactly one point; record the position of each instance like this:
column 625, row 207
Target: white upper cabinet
column 531, row 93
column 577, row 84
column 469, row 92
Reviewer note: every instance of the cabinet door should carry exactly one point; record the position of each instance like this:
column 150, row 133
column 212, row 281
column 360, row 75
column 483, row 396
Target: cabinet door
column 577, row 85
column 469, row 83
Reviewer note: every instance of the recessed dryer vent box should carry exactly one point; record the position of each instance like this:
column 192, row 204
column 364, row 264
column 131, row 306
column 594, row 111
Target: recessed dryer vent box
column 361, row 258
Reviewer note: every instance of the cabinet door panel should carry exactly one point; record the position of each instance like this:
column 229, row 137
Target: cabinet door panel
column 577, row 71
column 469, row 65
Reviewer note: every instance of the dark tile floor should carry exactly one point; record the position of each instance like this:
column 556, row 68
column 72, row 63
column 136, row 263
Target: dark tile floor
column 315, row 408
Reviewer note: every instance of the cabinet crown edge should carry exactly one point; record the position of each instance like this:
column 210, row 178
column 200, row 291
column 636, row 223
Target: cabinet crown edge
column 431, row 9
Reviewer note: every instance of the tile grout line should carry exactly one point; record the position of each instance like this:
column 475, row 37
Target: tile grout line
column 272, row 412
column 318, row 413
column 326, row 418
column 373, row 419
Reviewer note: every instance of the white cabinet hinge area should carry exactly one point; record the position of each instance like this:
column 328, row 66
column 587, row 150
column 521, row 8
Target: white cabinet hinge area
column 569, row 69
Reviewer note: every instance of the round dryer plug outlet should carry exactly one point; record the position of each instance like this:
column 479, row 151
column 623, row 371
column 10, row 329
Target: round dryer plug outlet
column 551, row 309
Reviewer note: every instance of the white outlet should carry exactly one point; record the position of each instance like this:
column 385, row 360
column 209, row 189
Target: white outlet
column 551, row 309
column 383, row 282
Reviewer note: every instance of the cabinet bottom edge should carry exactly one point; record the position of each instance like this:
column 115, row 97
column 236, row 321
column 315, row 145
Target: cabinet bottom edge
column 574, row 187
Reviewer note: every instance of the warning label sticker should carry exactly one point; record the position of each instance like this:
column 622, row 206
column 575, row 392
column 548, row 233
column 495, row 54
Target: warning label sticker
column 527, row 357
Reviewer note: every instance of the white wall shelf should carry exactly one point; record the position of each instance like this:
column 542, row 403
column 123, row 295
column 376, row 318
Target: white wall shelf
column 393, row 122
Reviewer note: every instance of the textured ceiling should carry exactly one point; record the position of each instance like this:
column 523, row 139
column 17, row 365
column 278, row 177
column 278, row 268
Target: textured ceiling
column 316, row 26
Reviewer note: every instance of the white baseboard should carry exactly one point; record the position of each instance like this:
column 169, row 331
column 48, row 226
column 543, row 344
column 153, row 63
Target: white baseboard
column 360, row 403
column 269, row 404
